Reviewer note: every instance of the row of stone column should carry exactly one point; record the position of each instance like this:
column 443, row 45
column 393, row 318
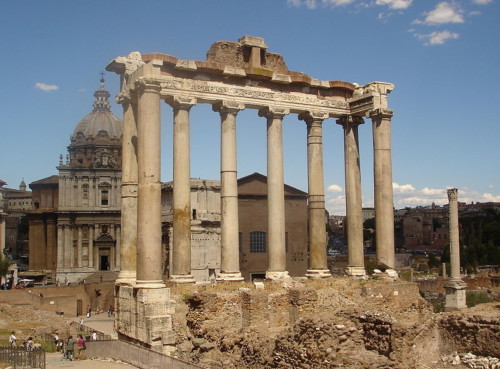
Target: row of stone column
column 141, row 190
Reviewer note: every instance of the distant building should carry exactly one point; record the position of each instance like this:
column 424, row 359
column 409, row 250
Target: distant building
column 252, row 205
column 75, row 222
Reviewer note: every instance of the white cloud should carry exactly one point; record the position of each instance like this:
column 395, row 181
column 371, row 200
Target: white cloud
column 437, row 38
column 433, row 191
column 337, row 2
column 311, row 4
column 395, row 4
column 475, row 12
column 46, row 87
column 334, row 188
column 491, row 186
column 336, row 205
column 482, row 2
column 444, row 13
column 83, row 89
column 407, row 188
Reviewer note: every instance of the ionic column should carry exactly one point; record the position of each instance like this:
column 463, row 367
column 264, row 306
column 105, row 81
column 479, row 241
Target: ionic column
column 354, row 205
column 318, row 267
column 68, row 247
column 230, row 258
column 128, row 249
column 384, row 205
column 455, row 287
column 60, row 247
column 79, row 246
column 181, row 271
column 91, row 246
column 149, row 271
column 275, row 192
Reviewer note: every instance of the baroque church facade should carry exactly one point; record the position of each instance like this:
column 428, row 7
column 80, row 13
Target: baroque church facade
column 75, row 221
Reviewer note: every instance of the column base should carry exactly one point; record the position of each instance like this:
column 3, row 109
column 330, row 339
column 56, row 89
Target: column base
column 182, row 279
column 455, row 295
column 150, row 284
column 276, row 276
column 318, row 273
column 355, row 271
column 126, row 278
column 229, row 277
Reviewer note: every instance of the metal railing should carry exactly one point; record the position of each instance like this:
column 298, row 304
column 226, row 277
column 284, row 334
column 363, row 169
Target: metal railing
column 19, row 357
column 87, row 332
column 135, row 355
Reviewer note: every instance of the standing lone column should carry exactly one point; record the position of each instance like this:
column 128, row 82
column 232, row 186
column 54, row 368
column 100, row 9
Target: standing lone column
column 149, row 271
column 318, row 267
column 354, row 205
column 384, row 205
column 128, row 247
column 275, row 192
column 181, row 254
column 455, row 287
column 230, row 259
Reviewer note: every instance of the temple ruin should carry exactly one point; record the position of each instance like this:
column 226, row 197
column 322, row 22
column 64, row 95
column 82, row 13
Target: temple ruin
column 236, row 76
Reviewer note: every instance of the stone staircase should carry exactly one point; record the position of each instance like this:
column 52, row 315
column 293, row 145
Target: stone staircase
column 102, row 276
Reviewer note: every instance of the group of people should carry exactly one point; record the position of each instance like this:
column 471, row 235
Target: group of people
column 28, row 343
column 69, row 347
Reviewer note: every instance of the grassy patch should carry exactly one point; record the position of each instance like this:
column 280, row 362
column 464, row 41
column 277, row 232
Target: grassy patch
column 474, row 298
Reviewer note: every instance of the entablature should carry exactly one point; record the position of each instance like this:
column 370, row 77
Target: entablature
column 247, row 74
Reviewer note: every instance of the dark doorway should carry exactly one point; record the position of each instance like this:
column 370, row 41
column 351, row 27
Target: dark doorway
column 104, row 262
column 79, row 310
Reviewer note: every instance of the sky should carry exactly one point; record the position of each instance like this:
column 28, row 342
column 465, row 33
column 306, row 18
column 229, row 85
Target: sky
column 442, row 56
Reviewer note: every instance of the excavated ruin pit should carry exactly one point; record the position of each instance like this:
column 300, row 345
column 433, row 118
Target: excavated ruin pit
column 334, row 323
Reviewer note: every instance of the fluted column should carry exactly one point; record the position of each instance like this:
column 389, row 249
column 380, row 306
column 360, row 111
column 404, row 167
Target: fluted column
column 318, row 267
column 384, row 204
column 230, row 260
column 181, row 264
column 275, row 192
column 149, row 268
column 354, row 205
column 128, row 247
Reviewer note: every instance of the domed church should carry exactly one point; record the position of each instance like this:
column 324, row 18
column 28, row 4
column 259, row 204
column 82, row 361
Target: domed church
column 85, row 203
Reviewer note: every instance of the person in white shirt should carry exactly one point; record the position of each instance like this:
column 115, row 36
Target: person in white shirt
column 12, row 339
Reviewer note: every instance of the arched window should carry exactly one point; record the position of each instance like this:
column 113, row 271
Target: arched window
column 258, row 242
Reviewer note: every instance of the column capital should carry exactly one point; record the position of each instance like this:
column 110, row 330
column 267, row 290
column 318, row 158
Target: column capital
column 181, row 102
column 274, row 112
column 452, row 194
column 313, row 116
column 381, row 113
column 147, row 85
column 228, row 106
column 350, row 121
column 123, row 98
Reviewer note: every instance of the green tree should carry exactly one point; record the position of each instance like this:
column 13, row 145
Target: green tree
column 4, row 265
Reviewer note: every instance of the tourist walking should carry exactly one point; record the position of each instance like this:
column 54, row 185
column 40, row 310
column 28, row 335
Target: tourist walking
column 80, row 346
column 12, row 339
column 70, row 348
column 30, row 345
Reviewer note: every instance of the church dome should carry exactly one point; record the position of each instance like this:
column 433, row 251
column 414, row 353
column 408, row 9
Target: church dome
column 97, row 138
column 101, row 122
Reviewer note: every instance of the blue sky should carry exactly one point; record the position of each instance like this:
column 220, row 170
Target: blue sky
column 442, row 56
